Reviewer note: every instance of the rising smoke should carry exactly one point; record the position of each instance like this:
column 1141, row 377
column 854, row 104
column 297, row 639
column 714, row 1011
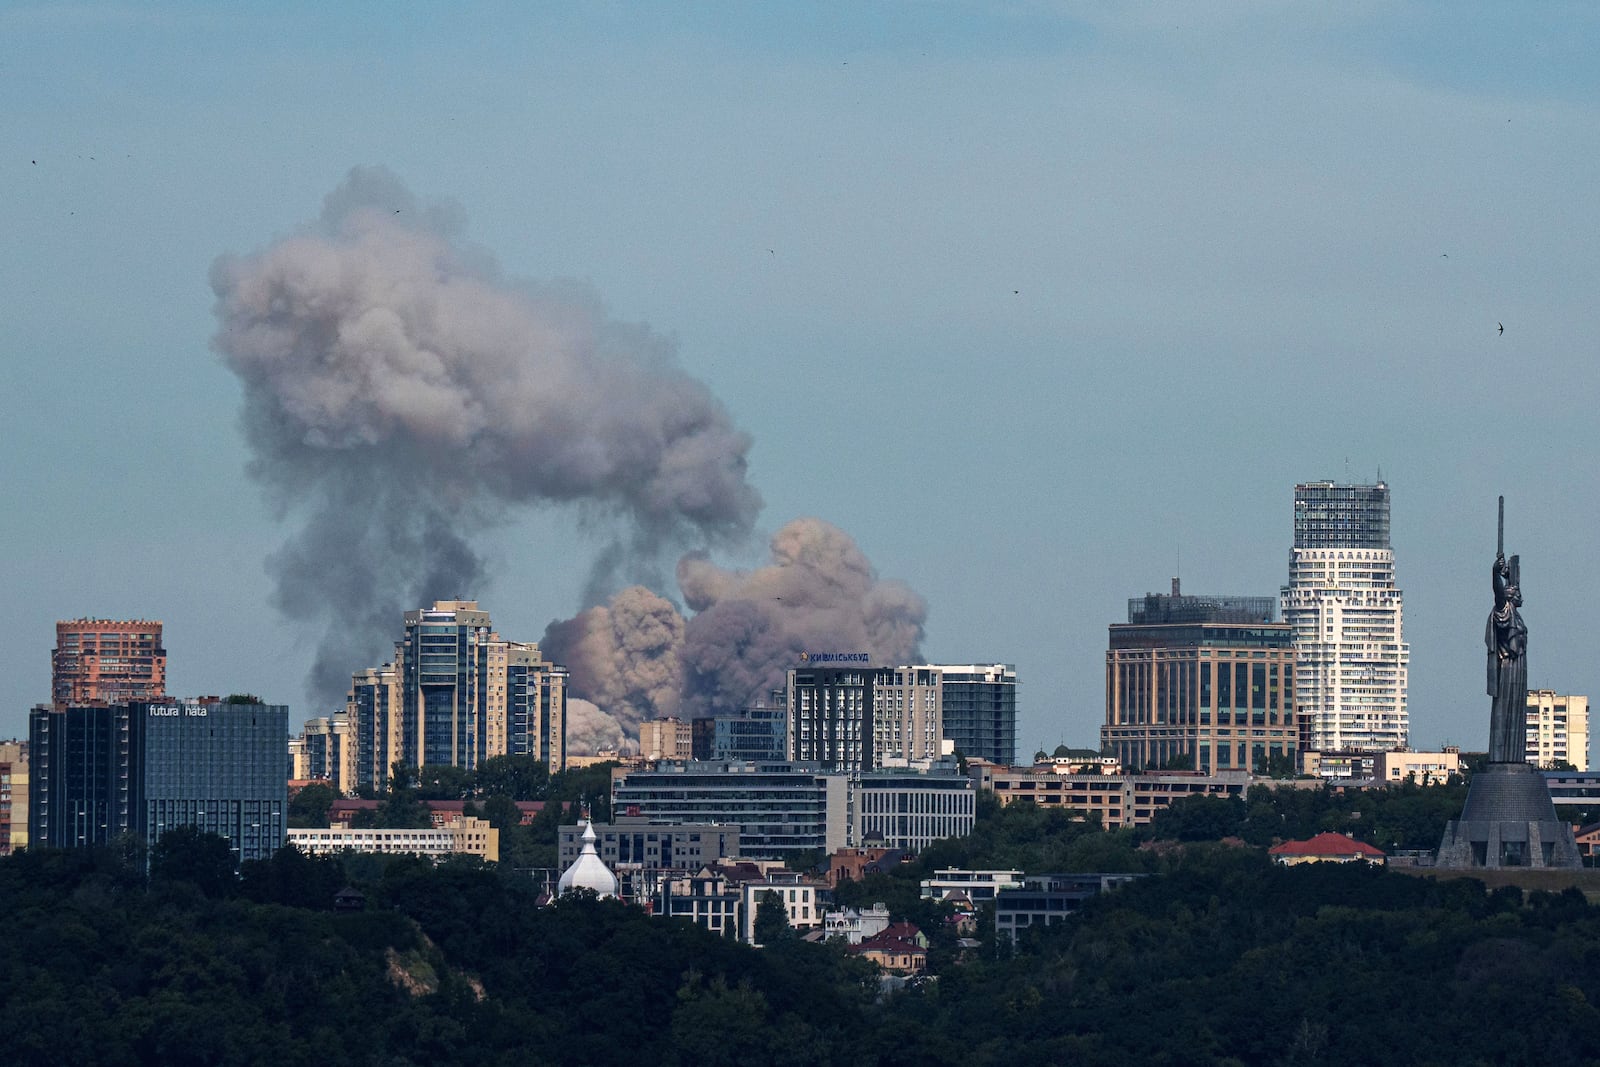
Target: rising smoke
column 636, row 658
column 401, row 395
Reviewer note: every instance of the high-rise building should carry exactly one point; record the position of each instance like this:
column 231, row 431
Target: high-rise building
column 103, row 770
column 907, row 716
column 1351, row 659
column 751, row 734
column 830, row 717
column 326, row 751
column 457, row 693
column 1201, row 683
column 108, row 660
column 1558, row 730
column 13, row 796
column 978, row 709
column 665, row 739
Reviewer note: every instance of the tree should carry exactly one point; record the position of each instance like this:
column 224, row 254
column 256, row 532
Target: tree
column 190, row 854
column 518, row 777
column 441, row 781
column 772, row 919
column 309, row 808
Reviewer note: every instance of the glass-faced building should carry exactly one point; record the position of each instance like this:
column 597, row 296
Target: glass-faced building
column 148, row 766
column 978, row 706
column 752, row 734
column 782, row 809
column 1351, row 656
column 1200, row 683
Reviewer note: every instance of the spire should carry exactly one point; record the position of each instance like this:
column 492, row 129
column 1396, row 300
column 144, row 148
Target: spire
column 588, row 871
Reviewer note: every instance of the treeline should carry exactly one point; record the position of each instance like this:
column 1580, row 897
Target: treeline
column 1221, row 958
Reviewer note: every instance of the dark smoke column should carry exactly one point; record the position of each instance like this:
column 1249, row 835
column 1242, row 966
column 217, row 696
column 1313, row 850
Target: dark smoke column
column 400, row 396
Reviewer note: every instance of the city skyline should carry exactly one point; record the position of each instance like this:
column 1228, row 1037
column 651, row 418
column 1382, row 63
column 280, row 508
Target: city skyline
column 1034, row 303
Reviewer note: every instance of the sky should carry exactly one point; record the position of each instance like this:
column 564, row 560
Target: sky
column 1043, row 303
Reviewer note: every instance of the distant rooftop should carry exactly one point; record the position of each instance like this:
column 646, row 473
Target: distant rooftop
column 1155, row 609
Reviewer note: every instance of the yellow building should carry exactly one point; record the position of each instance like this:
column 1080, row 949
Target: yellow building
column 1118, row 799
column 1423, row 768
column 1558, row 729
column 664, row 739
column 13, row 796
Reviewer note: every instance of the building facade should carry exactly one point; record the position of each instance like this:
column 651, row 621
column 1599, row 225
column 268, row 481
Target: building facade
column 1351, row 658
column 1048, row 898
column 756, row 734
column 665, row 739
column 461, row 836
column 666, row 846
column 978, row 705
column 1117, row 800
column 327, row 751
column 1558, row 730
column 104, row 770
column 911, row 811
column 782, row 810
column 13, row 796
column 1200, row 683
column 830, row 717
column 456, row 693
column 107, row 660
column 907, row 715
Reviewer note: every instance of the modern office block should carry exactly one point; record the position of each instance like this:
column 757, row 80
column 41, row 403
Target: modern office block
column 1200, row 683
column 756, row 734
column 782, row 810
column 978, row 710
column 910, row 811
column 1351, row 659
column 830, row 717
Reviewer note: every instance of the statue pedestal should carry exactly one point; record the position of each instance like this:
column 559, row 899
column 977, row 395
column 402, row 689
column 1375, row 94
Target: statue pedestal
column 1508, row 821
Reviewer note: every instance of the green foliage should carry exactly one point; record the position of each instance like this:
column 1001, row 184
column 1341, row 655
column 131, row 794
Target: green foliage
column 309, row 808
column 202, row 859
column 517, row 777
column 772, row 919
column 241, row 698
column 437, row 781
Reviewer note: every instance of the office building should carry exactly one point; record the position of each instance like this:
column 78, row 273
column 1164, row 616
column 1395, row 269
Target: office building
column 104, row 770
column 13, row 796
column 1048, row 898
column 782, row 810
column 639, row 842
column 665, row 739
column 1351, row 659
column 455, row 694
column 107, row 660
column 1117, row 800
column 1558, row 730
column 910, row 811
column 830, row 717
column 978, row 709
column 1200, row 683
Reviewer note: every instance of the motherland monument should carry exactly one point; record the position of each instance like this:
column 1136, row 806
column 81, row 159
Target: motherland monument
column 1509, row 819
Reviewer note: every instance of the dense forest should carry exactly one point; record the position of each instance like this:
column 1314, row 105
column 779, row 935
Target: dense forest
column 1218, row 957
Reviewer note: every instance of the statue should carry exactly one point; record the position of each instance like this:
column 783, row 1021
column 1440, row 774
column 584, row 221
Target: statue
column 1507, row 641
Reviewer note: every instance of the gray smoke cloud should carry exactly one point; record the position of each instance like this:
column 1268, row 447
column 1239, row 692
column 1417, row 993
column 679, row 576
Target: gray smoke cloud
column 400, row 394
column 590, row 730
column 819, row 593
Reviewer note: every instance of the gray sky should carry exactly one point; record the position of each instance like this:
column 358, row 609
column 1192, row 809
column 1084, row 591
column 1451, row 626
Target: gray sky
column 1030, row 299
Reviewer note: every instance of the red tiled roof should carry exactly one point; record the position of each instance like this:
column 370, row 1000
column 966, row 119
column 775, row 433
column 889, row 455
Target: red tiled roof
column 1326, row 844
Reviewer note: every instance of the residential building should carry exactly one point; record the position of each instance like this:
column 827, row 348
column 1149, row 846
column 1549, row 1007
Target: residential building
column 1423, row 768
column 665, row 739
column 456, row 693
column 461, row 836
column 781, row 809
column 910, row 811
column 853, row 925
column 1351, row 658
column 900, row 949
column 1326, row 847
column 104, row 770
column 13, row 796
column 1048, row 898
column 113, row 661
column 797, row 894
column 1117, row 800
column 1200, row 683
column 978, row 705
column 1574, row 792
column 1558, row 730
column 709, row 897
column 907, row 716
column 979, row 887
column 639, row 842
column 327, row 751
column 853, row 864
column 830, row 717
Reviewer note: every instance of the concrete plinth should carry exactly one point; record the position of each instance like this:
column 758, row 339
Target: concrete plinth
column 1508, row 821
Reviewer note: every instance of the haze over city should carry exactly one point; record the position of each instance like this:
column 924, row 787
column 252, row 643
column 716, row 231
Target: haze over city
column 1040, row 304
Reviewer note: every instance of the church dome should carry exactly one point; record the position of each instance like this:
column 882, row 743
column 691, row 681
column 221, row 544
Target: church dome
column 589, row 871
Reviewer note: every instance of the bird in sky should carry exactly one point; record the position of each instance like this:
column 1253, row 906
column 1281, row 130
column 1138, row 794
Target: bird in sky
column 1502, row 326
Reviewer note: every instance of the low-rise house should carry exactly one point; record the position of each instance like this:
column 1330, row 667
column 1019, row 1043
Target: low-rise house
column 854, row 925
column 900, row 949
column 1326, row 847
column 979, row 887
column 1048, row 898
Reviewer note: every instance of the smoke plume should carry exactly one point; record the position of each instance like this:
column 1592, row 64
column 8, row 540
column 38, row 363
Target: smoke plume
column 818, row 593
column 400, row 394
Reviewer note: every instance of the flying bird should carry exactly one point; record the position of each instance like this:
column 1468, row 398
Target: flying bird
column 1502, row 326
